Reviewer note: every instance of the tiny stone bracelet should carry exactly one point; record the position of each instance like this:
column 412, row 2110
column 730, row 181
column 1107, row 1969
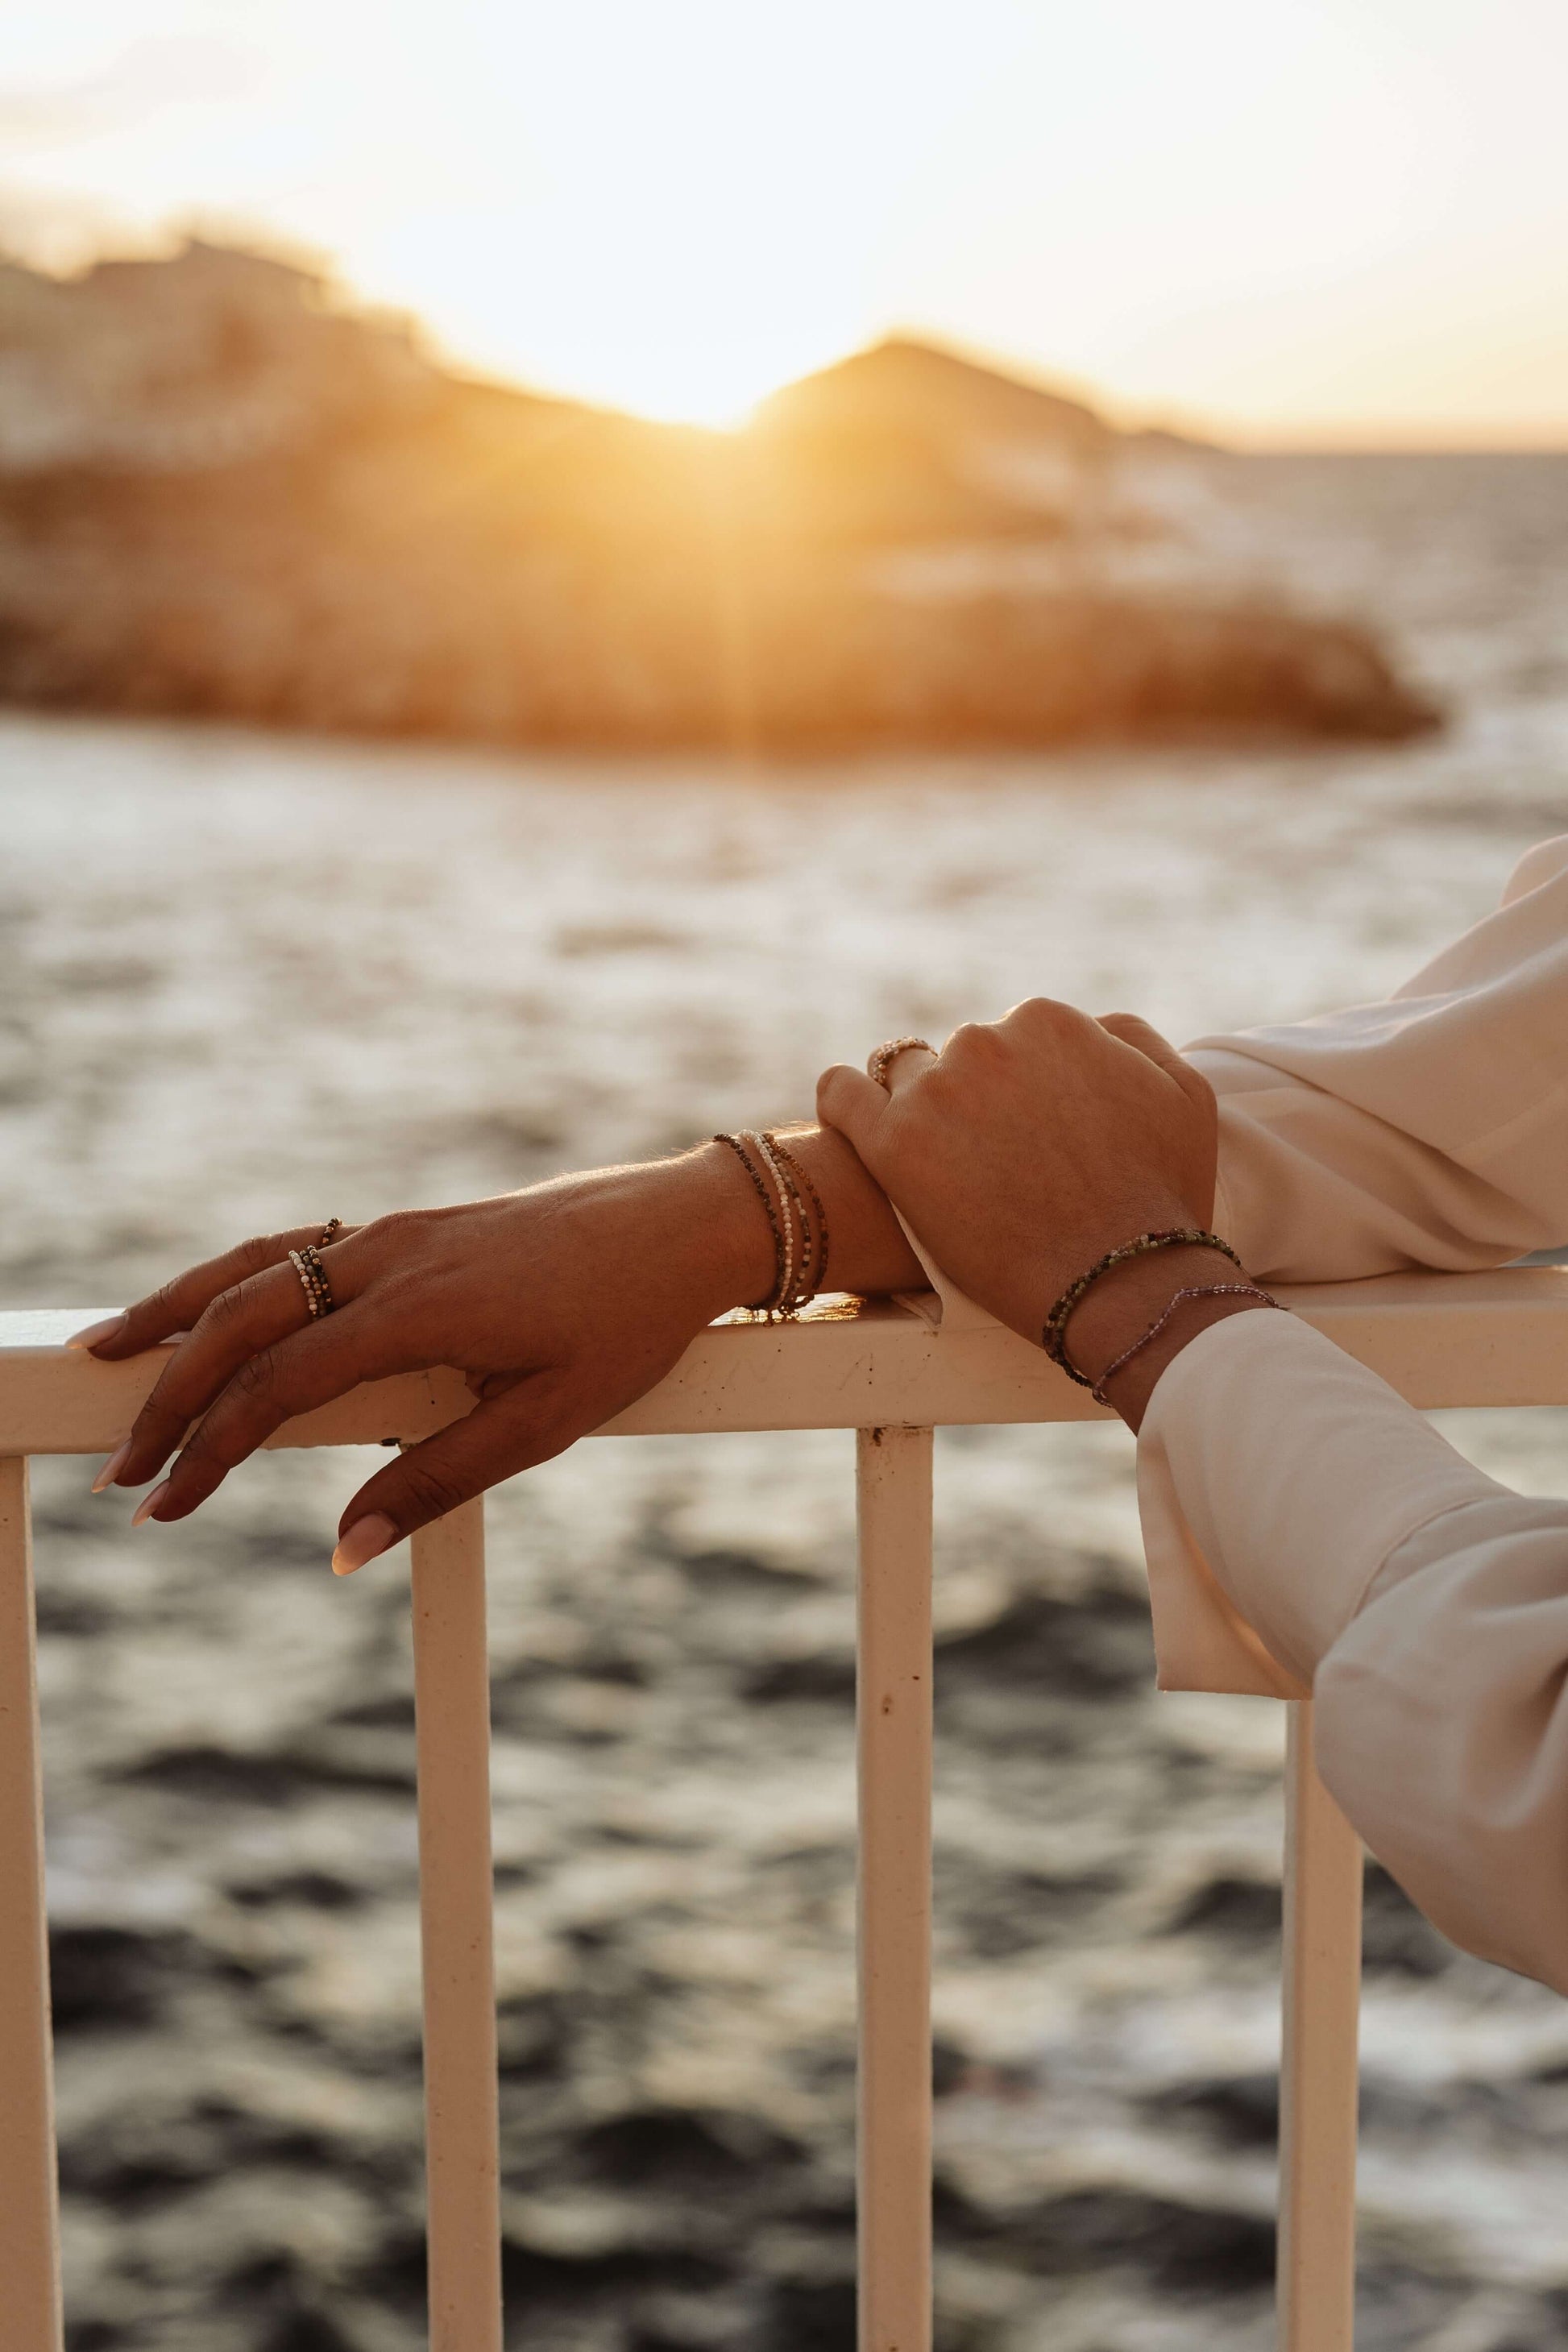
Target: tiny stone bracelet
column 1053, row 1339
column 762, row 1306
column 794, row 1208
column 1146, row 1339
column 815, row 1262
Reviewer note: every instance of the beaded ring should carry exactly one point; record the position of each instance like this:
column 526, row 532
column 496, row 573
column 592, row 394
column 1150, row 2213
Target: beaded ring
column 1053, row 1337
column 333, row 1225
column 877, row 1064
column 313, row 1280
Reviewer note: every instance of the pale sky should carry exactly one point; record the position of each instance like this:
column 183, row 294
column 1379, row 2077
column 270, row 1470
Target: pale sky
column 1303, row 221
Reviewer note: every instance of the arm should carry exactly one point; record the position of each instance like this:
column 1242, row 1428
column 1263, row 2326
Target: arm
column 1425, row 1606
column 1430, row 1129
column 563, row 1304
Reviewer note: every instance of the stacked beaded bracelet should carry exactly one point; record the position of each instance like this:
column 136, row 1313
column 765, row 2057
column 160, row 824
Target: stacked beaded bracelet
column 1198, row 1290
column 796, row 1217
column 807, row 1204
column 1053, row 1339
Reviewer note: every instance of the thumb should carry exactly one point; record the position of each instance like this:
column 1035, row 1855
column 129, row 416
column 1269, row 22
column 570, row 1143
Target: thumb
column 504, row 1434
column 854, row 1104
column 1130, row 1031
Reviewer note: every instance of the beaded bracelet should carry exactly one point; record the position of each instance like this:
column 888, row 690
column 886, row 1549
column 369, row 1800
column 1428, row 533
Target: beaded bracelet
column 783, row 1301
column 800, row 1176
column 1200, row 1290
column 743, row 1156
column 782, row 1186
column 1053, row 1339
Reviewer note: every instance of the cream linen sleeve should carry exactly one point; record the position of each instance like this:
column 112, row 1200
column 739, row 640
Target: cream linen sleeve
column 1425, row 1606
column 1430, row 1129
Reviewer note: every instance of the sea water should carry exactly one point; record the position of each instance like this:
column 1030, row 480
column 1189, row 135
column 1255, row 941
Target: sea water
column 247, row 981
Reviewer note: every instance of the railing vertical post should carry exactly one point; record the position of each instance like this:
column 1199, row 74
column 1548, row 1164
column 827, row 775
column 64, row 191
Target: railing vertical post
column 452, row 1706
column 29, row 2197
column 894, row 1735
column 1317, row 2064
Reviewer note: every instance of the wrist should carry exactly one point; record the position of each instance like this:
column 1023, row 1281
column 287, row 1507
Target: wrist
column 866, row 1250
column 1129, row 1302
column 740, row 1264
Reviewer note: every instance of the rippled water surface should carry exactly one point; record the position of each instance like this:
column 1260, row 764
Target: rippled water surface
column 245, row 980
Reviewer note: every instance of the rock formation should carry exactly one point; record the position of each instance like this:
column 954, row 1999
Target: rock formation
column 222, row 494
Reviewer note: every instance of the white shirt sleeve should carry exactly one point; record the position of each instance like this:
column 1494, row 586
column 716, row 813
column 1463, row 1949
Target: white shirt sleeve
column 1426, row 1607
column 1430, row 1129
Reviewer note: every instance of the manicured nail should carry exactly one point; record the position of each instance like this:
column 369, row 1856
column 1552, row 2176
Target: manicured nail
column 149, row 1502
column 111, row 1469
column 364, row 1541
column 105, row 1329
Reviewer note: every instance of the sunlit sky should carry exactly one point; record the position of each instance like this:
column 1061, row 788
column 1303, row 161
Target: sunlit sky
column 1302, row 221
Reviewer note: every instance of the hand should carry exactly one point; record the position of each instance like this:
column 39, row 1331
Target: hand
column 563, row 1305
column 1032, row 1145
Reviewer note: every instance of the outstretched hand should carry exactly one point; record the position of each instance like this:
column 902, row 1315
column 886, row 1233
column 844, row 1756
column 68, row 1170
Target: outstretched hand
column 1031, row 1145
column 563, row 1305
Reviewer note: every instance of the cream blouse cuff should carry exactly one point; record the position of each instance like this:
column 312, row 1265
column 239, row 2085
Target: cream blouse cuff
column 1275, row 1477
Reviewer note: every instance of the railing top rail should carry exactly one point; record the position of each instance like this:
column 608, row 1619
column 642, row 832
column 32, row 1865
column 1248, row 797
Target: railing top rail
column 1496, row 1339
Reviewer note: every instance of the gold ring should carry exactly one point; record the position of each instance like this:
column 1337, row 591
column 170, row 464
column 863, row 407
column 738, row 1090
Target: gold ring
column 877, row 1064
column 313, row 1280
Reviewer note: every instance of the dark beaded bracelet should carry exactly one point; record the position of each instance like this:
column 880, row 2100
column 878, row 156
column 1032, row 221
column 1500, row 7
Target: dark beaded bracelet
column 815, row 1260
column 770, row 1305
column 1053, row 1339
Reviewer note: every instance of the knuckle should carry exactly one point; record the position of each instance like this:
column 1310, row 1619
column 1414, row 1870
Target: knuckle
column 221, row 1314
column 165, row 1300
column 432, row 1488
column 260, row 1250
column 257, row 1382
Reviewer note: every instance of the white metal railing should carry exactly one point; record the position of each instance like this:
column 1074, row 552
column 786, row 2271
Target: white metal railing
column 887, row 1372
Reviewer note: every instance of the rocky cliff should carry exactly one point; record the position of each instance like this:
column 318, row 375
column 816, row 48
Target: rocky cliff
column 221, row 493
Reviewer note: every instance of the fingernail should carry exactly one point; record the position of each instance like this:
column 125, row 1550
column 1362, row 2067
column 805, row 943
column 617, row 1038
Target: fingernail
column 111, row 1469
column 365, row 1539
column 149, row 1502
column 92, row 1333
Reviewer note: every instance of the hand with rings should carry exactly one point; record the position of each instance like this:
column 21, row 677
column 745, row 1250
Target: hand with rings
column 562, row 1305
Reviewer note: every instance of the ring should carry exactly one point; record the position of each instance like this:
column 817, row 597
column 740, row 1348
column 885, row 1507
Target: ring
column 332, row 1225
column 877, row 1066
column 313, row 1280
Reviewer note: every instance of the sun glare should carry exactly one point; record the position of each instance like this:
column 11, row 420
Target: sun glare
column 675, row 384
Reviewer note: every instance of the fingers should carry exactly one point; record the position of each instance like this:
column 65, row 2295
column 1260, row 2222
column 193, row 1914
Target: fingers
column 1134, row 1031
column 292, row 1376
column 235, row 1326
column 179, row 1303
column 502, row 1435
column 854, row 1104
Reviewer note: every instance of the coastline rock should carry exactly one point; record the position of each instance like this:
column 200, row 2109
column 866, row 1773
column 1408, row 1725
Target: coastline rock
column 222, row 495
